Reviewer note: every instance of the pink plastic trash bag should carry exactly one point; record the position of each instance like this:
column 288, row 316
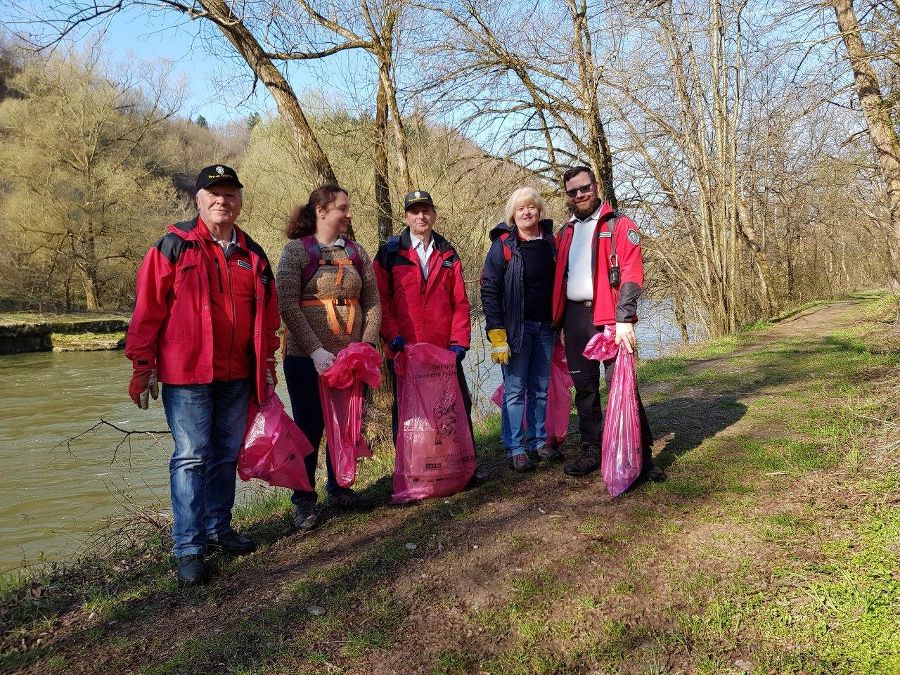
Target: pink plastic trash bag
column 274, row 448
column 341, row 393
column 559, row 398
column 602, row 346
column 435, row 452
column 621, row 453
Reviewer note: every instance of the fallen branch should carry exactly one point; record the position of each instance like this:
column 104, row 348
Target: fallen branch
column 128, row 433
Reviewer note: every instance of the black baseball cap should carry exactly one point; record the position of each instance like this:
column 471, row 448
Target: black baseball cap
column 214, row 174
column 417, row 197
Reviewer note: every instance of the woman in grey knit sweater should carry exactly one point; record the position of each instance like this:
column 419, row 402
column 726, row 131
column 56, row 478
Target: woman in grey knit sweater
column 328, row 298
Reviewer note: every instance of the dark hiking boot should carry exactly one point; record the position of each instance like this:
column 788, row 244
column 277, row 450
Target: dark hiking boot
column 305, row 517
column 653, row 473
column 232, row 543
column 345, row 498
column 192, row 570
column 478, row 478
column 587, row 462
column 549, row 454
column 522, row 463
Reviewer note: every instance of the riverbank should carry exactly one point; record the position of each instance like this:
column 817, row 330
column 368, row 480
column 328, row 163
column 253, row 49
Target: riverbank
column 23, row 332
column 772, row 546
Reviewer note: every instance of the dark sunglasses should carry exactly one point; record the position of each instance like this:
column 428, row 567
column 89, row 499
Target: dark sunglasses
column 580, row 190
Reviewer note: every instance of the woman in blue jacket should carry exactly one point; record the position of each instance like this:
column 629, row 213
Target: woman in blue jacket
column 517, row 298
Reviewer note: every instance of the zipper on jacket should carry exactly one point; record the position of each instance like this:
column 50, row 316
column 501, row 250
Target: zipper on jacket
column 233, row 318
column 219, row 272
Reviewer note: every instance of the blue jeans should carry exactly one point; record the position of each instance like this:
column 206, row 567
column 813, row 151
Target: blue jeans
column 207, row 423
column 526, row 380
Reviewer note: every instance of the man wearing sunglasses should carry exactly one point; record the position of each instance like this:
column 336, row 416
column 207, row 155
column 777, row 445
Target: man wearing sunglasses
column 599, row 274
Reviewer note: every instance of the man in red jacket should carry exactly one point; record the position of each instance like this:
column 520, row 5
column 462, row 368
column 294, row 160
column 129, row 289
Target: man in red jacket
column 204, row 325
column 423, row 295
column 597, row 284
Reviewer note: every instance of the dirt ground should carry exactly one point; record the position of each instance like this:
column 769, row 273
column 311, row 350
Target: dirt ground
column 545, row 573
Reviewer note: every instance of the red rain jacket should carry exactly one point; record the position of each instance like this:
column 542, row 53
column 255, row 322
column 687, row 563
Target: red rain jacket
column 610, row 305
column 435, row 311
column 172, row 328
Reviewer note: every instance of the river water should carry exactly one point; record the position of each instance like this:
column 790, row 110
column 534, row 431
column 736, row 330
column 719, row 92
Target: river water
column 56, row 493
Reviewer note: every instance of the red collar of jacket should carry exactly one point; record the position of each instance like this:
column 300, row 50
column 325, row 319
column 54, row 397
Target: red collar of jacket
column 198, row 231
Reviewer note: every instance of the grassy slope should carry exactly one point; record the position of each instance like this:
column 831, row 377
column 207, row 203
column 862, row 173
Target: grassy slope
column 773, row 547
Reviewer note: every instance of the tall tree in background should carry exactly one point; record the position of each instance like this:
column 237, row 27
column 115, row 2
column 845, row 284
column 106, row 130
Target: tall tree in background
column 682, row 108
column 877, row 112
column 84, row 180
column 531, row 72
column 57, row 22
column 372, row 28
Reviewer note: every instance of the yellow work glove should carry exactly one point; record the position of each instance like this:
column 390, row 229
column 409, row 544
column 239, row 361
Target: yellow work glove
column 499, row 346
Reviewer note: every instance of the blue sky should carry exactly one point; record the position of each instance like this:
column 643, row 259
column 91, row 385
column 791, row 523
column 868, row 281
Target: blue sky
column 219, row 82
column 186, row 43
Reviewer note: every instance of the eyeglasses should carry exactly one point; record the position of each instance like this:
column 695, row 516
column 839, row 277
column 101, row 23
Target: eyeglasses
column 580, row 190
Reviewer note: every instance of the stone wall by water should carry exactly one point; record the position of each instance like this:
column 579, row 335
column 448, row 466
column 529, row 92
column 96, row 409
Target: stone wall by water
column 19, row 338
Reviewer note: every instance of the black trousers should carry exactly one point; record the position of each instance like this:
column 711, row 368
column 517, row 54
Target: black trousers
column 463, row 387
column 578, row 329
column 303, row 388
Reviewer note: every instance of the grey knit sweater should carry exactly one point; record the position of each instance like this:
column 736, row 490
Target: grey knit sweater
column 308, row 327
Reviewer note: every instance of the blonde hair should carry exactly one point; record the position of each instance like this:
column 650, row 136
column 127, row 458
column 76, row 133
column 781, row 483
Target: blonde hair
column 524, row 195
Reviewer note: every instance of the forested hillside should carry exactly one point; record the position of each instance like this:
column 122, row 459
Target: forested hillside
column 755, row 143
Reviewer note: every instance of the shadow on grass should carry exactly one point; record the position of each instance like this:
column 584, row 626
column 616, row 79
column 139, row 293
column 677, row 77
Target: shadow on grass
column 330, row 597
column 686, row 422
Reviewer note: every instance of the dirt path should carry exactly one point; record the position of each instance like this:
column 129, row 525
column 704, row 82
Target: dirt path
column 723, row 568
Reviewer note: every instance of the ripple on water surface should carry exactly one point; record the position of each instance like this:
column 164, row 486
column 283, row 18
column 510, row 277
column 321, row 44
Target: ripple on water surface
column 54, row 495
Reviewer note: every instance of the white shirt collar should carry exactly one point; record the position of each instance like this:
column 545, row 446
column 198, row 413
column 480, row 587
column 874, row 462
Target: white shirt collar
column 418, row 243
column 226, row 244
column 593, row 217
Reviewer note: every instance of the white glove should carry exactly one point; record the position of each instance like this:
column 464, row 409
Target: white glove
column 322, row 360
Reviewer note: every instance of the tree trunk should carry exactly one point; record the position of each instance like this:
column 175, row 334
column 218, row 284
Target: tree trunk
column 91, row 300
column 602, row 162
column 85, row 258
column 680, row 317
column 382, row 184
column 599, row 153
column 386, row 82
column 308, row 149
column 878, row 118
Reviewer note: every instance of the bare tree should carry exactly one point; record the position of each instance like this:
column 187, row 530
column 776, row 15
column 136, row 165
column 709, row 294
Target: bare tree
column 73, row 176
column 59, row 21
column 877, row 112
column 545, row 75
column 373, row 31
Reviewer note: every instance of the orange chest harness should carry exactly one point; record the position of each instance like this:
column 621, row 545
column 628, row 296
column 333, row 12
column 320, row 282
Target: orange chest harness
column 331, row 303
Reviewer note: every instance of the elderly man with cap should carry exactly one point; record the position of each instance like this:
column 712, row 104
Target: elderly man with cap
column 423, row 295
column 204, row 325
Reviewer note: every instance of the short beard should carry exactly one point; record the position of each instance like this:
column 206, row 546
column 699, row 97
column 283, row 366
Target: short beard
column 581, row 215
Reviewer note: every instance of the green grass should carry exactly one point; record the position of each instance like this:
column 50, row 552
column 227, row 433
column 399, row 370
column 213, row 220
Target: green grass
column 761, row 563
column 662, row 370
